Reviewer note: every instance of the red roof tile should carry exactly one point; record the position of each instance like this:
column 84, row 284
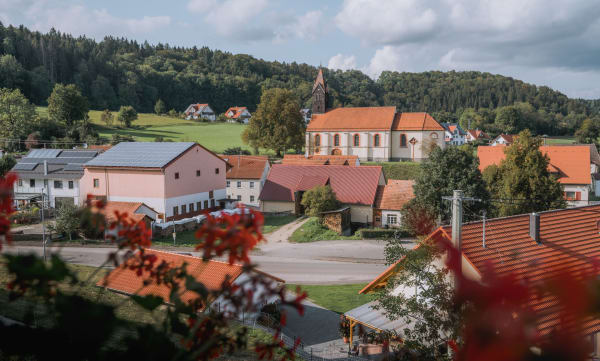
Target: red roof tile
column 245, row 166
column 130, row 208
column 299, row 159
column 308, row 182
column 237, row 111
column 571, row 162
column 373, row 118
column 478, row 134
column 415, row 121
column 394, row 195
column 352, row 185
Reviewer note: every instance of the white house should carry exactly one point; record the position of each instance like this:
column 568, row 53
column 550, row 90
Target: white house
column 246, row 178
column 199, row 111
column 238, row 115
column 453, row 134
column 306, row 114
column 53, row 174
column 503, row 139
column 389, row 201
column 476, row 134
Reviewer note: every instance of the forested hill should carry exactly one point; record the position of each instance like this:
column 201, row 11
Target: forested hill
column 116, row 72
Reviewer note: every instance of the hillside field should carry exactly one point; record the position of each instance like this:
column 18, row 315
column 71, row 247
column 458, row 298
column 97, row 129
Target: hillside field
column 214, row 136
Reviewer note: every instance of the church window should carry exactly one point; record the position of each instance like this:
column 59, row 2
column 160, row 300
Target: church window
column 376, row 140
column 317, row 140
column 403, row 140
column 356, row 140
column 336, row 140
column 434, row 136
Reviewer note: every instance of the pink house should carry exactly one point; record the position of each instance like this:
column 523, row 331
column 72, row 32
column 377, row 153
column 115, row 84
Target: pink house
column 179, row 179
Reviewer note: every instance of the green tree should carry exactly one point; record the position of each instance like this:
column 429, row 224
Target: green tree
column 17, row 115
column 11, row 72
column 277, row 124
column 127, row 115
column 67, row 220
column 160, row 107
column 107, row 117
column 66, row 105
column 508, row 119
column 236, row 151
column 448, row 170
column 589, row 132
column 319, row 199
column 523, row 183
column 7, row 162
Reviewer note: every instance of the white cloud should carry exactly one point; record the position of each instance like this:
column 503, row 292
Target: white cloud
column 307, row 26
column 342, row 62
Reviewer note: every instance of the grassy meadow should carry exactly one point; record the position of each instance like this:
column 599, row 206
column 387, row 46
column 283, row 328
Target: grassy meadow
column 337, row 298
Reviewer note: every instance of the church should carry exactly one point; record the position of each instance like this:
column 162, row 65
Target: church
column 371, row 133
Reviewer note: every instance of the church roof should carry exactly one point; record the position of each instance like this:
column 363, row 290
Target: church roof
column 367, row 118
column 319, row 80
column 415, row 121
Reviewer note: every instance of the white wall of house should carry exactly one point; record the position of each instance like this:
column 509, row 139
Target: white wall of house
column 245, row 191
column 571, row 191
column 276, row 207
column 23, row 186
column 498, row 141
column 205, row 112
column 388, row 216
column 366, row 150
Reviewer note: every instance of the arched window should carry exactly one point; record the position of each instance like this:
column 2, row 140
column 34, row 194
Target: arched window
column 317, row 140
column 403, row 140
column 434, row 136
column 356, row 140
column 336, row 140
column 376, row 140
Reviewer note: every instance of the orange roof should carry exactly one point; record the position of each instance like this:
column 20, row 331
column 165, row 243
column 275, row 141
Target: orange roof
column 299, row 159
column 477, row 134
column 245, row 166
column 211, row 273
column 394, row 195
column 100, row 147
column 415, row 121
column 237, row 111
column 571, row 162
column 367, row 118
column 122, row 207
column 509, row 138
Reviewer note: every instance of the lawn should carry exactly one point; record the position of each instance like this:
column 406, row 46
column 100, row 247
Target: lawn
column 560, row 140
column 337, row 298
column 312, row 231
column 398, row 170
column 273, row 223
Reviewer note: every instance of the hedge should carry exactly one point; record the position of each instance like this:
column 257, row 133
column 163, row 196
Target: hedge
column 382, row 233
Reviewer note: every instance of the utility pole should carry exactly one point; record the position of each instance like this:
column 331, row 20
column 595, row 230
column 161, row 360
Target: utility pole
column 43, row 227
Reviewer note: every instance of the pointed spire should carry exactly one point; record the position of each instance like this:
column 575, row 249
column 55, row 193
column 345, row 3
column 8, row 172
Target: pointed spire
column 319, row 80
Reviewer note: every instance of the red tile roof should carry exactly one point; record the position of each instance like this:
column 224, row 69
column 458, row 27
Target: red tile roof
column 572, row 162
column 198, row 107
column 245, row 166
column 299, row 159
column 308, row 182
column 368, row 118
column 122, row 207
column 352, row 185
column 237, row 111
column 415, row 121
column 394, row 195
column 478, row 134
column 210, row 273
column 509, row 138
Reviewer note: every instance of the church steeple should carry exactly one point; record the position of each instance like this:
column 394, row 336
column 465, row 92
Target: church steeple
column 319, row 94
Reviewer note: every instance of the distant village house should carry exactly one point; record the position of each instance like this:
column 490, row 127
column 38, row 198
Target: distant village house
column 238, row 115
column 246, row 178
column 200, row 111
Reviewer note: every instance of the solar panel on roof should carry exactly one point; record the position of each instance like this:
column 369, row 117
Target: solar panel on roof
column 44, row 153
column 78, row 154
column 56, row 160
column 140, row 154
column 25, row 166
column 73, row 167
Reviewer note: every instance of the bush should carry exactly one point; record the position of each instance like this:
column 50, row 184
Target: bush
column 381, row 233
column 173, row 113
column 319, row 199
column 127, row 114
column 236, row 151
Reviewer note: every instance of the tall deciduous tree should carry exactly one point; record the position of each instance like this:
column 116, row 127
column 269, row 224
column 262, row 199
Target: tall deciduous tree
column 127, row 115
column 7, row 161
column 160, row 107
column 277, row 124
column 66, row 105
column 522, row 182
column 17, row 115
column 589, row 132
column 107, row 117
column 319, row 199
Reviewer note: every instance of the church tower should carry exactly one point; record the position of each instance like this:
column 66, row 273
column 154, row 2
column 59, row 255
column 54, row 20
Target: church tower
column 319, row 94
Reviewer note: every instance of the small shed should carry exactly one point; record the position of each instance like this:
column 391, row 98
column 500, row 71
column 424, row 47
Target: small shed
column 338, row 220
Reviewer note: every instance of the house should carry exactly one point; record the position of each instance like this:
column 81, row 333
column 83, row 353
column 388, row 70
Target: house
column 55, row 173
column 454, row 134
column 504, row 139
column 177, row 179
column 238, row 115
column 574, row 165
column 389, row 201
column 475, row 135
column 212, row 274
column 136, row 211
column 300, row 159
column 567, row 240
column 246, row 177
column 355, row 187
column 200, row 111
column 371, row 133
column 306, row 114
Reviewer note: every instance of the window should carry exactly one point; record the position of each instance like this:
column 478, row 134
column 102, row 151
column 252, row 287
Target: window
column 46, row 183
column 216, row 170
column 198, row 206
column 210, row 194
column 239, row 198
column 175, row 211
column 20, row 182
column 239, row 184
column 32, row 183
column 392, row 219
column 356, row 140
column 376, row 140
column 212, row 203
column 336, row 140
column 191, row 206
column 96, row 183
column 70, row 184
column 228, row 184
column 57, row 184
column 317, row 140
column 205, row 204
column 176, row 175
column 251, row 198
column 434, row 136
column 251, row 184
column 183, row 209
column 403, row 140
column 198, row 173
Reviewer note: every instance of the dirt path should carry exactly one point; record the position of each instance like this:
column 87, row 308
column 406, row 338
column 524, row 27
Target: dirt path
column 283, row 234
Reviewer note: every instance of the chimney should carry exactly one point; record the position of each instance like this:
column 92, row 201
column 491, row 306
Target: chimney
column 45, row 167
column 534, row 227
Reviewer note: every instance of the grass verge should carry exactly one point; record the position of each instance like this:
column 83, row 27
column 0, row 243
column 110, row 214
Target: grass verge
column 337, row 298
column 312, row 231
column 273, row 223
column 398, row 170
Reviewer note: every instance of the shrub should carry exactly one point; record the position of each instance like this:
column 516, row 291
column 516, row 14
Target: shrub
column 236, row 151
column 319, row 199
column 127, row 114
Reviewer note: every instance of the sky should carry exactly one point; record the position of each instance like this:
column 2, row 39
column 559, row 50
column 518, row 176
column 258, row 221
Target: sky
column 544, row 42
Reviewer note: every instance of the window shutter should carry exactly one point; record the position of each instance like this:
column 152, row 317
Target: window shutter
column 577, row 196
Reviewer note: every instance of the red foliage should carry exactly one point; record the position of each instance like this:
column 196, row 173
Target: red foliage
column 6, row 206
